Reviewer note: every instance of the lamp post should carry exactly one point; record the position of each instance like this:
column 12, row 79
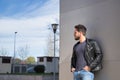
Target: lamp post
column 54, row 26
column 14, row 51
column 15, row 45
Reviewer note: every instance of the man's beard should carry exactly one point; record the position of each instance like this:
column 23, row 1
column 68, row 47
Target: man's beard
column 77, row 38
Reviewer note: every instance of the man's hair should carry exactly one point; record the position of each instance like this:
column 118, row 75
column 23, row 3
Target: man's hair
column 81, row 28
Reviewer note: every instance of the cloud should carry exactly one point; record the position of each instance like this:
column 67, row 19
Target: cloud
column 31, row 31
column 50, row 7
column 24, row 25
column 34, row 27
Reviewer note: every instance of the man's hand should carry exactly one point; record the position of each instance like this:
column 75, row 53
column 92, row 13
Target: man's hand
column 87, row 68
column 73, row 69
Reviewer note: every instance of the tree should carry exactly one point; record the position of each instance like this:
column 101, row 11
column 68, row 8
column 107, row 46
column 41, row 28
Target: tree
column 23, row 52
column 50, row 44
column 30, row 60
column 50, row 48
column 3, row 52
column 17, row 61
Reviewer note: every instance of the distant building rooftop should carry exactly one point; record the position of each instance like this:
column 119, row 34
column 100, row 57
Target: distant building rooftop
column 47, row 57
column 5, row 57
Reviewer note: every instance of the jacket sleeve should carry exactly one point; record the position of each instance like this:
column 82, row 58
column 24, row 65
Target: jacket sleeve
column 98, row 55
column 73, row 59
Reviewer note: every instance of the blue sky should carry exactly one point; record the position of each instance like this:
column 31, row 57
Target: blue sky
column 32, row 20
column 28, row 8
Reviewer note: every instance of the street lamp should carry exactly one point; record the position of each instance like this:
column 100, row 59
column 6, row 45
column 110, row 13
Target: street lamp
column 54, row 26
column 15, row 45
column 14, row 51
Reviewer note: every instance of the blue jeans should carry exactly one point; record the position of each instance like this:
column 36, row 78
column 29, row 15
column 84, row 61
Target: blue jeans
column 83, row 75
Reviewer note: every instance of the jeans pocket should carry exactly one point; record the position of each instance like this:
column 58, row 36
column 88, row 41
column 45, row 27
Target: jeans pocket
column 88, row 74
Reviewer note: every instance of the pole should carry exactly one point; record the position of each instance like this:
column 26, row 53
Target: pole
column 54, row 57
column 54, row 26
column 15, row 45
column 14, row 52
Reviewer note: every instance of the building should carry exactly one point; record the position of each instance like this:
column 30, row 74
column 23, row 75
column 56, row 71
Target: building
column 5, row 64
column 20, row 68
column 102, row 19
column 48, row 62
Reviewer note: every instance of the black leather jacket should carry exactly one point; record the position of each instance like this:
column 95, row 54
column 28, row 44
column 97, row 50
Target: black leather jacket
column 93, row 55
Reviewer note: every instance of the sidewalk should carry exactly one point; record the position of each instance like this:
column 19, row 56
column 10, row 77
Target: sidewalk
column 27, row 77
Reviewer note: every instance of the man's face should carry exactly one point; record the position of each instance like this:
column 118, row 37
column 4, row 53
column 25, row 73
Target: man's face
column 76, row 35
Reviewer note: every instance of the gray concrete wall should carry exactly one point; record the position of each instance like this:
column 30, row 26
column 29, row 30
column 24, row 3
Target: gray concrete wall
column 5, row 67
column 102, row 18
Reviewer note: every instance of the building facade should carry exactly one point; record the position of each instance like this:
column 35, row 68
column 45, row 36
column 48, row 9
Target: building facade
column 5, row 64
column 102, row 19
column 48, row 62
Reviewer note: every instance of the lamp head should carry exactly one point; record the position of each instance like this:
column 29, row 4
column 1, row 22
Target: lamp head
column 54, row 26
column 15, row 32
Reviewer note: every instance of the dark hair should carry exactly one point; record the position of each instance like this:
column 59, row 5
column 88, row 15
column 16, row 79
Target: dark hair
column 81, row 28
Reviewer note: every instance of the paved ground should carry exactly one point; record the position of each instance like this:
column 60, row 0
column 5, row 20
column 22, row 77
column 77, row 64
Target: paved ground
column 27, row 77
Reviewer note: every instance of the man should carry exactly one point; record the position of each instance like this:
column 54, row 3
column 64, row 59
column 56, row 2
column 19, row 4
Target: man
column 86, row 57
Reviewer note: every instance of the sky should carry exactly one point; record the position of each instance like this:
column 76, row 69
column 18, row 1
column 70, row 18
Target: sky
column 32, row 20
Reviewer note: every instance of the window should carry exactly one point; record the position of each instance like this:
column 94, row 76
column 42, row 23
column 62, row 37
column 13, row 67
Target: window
column 41, row 59
column 5, row 60
column 49, row 59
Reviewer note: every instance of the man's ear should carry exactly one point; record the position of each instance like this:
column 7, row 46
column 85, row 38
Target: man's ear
column 80, row 33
